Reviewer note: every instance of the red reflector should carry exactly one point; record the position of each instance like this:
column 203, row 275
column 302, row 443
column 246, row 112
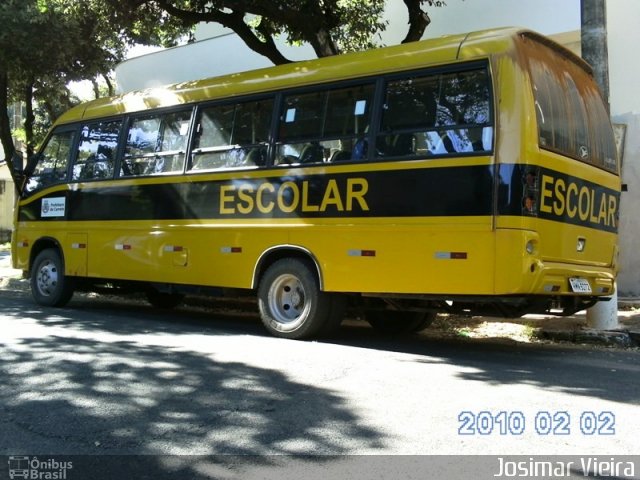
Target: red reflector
column 458, row 255
column 555, row 288
column 177, row 249
column 126, row 247
column 236, row 249
column 368, row 253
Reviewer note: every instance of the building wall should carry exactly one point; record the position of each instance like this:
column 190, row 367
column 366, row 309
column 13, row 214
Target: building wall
column 6, row 203
column 624, row 70
column 217, row 51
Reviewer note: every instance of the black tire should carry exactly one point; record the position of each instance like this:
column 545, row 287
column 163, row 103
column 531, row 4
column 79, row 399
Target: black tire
column 398, row 322
column 336, row 314
column 165, row 301
column 49, row 285
column 291, row 303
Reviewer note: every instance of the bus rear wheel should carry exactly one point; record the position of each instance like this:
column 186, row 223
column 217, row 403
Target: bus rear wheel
column 397, row 322
column 291, row 303
column 49, row 285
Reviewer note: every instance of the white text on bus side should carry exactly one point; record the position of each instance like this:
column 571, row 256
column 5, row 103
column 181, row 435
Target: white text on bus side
column 577, row 201
column 289, row 197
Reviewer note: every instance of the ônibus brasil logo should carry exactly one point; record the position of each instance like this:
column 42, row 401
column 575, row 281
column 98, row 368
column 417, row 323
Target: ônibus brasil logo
column 38, row 469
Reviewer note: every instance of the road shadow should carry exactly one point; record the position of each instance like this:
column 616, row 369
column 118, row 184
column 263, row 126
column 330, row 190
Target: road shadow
column 607, row 374
column 113, row 314
column 98, row 397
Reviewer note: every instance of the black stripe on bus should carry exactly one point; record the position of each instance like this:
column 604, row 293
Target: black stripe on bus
column 453, row 191
column 522, row 190
column 544, row 193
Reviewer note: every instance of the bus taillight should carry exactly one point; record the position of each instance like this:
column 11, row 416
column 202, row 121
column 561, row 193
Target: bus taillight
column 531, row 191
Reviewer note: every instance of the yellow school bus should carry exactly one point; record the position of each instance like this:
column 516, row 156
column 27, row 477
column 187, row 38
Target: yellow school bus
column 472, row 173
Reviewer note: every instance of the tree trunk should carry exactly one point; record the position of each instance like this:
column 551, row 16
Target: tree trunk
column 5, row 126
column 418, row 21
column 29, row 118
column 323, row 44
column 96, row 88
column 109, row 84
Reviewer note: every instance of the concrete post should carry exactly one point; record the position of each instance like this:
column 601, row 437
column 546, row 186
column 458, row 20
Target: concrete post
column 593, row 39
column 604, row 315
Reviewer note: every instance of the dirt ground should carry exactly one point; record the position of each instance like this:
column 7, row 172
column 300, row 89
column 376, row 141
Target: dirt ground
column 534, row 328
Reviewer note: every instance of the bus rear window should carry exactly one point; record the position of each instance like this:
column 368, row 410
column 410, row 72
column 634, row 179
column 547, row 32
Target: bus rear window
column 572, row 119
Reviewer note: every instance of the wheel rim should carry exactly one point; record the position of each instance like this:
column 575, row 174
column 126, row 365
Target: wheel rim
column 47, row 278
column 287, row 300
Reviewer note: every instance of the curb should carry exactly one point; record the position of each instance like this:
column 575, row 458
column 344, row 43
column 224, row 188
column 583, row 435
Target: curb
column 616, row 338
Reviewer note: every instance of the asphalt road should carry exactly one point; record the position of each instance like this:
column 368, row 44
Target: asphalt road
column 107, row 377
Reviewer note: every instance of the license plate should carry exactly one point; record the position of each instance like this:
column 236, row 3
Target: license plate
column 580, row 285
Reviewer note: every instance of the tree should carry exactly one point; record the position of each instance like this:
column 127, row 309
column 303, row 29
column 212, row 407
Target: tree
column 83, row 40
column 87, row 39
column 329, row 26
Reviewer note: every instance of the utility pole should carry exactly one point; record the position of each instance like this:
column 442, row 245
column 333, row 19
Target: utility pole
column 604, row 315
column 594, row 41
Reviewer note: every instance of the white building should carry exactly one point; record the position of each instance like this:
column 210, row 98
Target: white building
column 218, row 51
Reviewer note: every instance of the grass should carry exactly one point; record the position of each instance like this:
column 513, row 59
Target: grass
column 481, row 327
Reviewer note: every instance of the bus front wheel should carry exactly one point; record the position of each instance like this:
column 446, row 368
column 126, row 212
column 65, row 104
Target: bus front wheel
column 49, row 285
column 291, row 303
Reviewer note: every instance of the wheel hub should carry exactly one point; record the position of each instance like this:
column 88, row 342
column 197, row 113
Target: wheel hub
column 287, row 298
column 47, row 278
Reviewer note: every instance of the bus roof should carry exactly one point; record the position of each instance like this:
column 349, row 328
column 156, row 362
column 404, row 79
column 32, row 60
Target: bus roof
column 425, row 53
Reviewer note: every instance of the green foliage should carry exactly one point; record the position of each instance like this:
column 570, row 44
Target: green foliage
column 351, row 25
column 44, row 44
column 360, row 26
column 329, row 26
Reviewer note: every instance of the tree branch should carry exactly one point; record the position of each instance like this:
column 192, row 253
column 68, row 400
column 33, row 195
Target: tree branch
column 109, row 84
column 234, row 21
column 418, row 21
column 315, row 26
column 29, row 118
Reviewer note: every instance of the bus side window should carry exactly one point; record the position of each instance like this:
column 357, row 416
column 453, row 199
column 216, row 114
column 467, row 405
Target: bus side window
column 156, row 144
column 325, row 126
column 232, row 136
column 439, row 114
column 96, row 151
